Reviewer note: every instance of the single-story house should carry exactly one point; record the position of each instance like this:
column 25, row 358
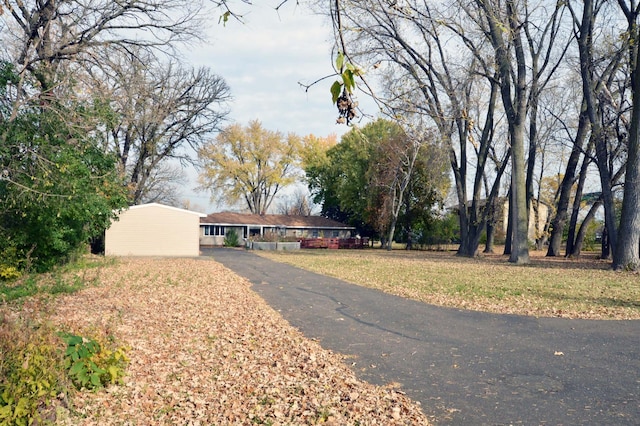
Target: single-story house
column 154, row 230
column 214, row 227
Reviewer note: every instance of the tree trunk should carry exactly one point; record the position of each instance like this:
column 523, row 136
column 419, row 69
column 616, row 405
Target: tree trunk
column 582, row 232
column 392, row 230
column 469, row 247
column 508, row 240
column 519, row 215
column 626, row 254
column 585, row 47
column 560, row 219
column 490, row 228
column 575, row 211
column 538, row 236
column 606, row 183
column 605, row 251
column 491, row 238
column 513, row 89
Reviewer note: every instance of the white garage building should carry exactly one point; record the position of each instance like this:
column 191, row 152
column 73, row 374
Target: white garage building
column 154, row 230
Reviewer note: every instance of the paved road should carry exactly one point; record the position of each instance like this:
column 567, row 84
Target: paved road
column 466, row 368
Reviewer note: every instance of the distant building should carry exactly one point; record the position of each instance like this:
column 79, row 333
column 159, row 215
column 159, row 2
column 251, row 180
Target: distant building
column 502, row 218
column 214, row 227
column 535, row 230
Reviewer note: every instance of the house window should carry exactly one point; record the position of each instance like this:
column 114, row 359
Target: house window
column 214, row 230
column 335, row 234
column 315, row 233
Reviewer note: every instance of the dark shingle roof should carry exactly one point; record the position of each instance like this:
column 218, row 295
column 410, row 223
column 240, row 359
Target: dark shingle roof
column 276, row 220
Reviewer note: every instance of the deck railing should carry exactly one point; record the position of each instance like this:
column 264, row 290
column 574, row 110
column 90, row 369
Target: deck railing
column 334, row 243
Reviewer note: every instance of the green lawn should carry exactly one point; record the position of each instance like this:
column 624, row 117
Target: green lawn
column 584, row 288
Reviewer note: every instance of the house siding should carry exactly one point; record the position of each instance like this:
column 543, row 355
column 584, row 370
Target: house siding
column 154, row 230
column 218, row 240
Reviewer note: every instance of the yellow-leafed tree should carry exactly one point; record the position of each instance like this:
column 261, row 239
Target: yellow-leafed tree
column 249, row 165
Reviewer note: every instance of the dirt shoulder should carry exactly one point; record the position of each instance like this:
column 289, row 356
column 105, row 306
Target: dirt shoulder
column 205, row 349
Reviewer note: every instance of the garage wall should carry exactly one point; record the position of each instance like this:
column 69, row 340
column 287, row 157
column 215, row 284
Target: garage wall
column 154, row 230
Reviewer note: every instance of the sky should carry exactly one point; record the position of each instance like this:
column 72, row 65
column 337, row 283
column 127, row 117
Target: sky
column 263, row 60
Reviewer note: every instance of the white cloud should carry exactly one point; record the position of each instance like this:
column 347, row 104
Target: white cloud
column 263, row 61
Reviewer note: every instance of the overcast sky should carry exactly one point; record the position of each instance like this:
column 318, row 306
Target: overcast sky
column 263, row 60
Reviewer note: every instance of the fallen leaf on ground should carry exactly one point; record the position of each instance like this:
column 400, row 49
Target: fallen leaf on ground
column 206, row 349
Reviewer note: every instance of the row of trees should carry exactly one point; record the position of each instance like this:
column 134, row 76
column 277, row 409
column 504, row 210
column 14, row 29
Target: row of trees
column 376, row 178
column 503, row 83
column 95, row 110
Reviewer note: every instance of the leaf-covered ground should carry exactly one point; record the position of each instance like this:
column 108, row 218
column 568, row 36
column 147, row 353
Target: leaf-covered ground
column 206, row 350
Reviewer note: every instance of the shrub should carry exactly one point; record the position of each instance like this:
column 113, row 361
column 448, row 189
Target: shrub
column 36, row 370
column 10, row 264
column 36, row 374
column 231, row 238
column 8, row 273
column 31, row 373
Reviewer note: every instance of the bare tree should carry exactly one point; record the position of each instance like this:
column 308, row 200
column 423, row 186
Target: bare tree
column 51, row 45
column 594, row 89
column 512, row 69
column 297, row 204
column 568, row 180
column 418, row 79
column 163, row 185
column 46, row 34
column 160, row 112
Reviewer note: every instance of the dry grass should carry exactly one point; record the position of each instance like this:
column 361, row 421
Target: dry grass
column 205, row 349
column 584, row 288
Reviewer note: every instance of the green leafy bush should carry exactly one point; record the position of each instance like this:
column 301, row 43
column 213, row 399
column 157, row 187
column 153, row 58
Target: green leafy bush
column 54, row 206
column 231, row 238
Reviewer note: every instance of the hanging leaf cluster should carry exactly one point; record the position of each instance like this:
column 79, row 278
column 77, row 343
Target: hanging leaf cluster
column 342, row 90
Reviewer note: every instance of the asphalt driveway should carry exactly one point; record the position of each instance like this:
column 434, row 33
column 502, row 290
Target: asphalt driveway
column 465, row 367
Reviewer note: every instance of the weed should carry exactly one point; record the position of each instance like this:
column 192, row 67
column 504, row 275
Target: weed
column 323, row 414
column 31, row 373
column 92, row 365
column 259, row 421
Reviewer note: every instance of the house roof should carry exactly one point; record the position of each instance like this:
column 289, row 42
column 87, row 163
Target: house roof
column 272, row 220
